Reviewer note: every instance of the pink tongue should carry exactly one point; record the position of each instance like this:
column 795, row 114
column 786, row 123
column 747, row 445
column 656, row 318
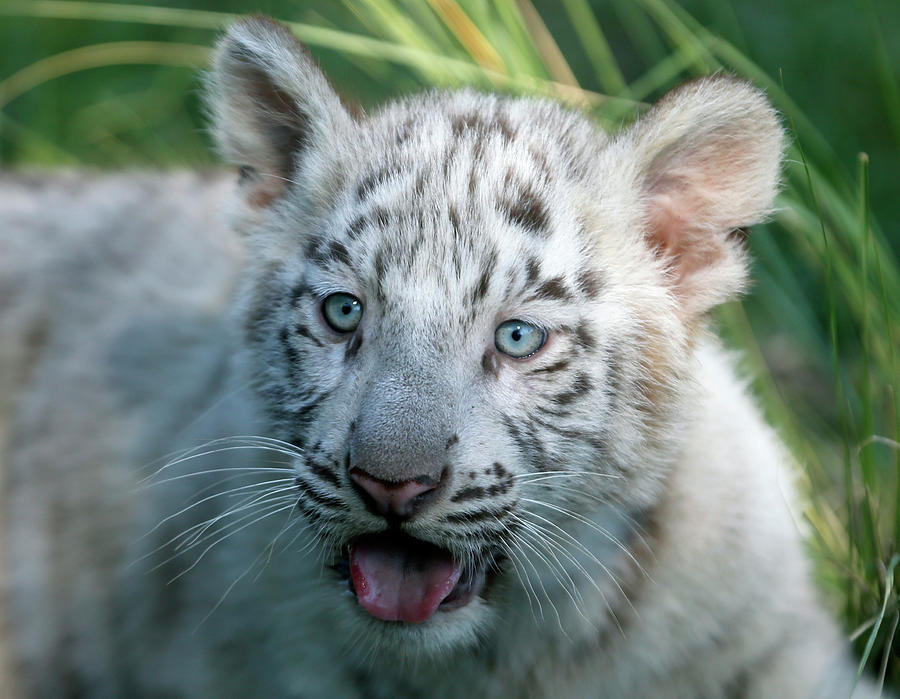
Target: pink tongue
column 398, row 578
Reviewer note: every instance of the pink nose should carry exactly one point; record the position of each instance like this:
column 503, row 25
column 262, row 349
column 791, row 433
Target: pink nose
column 398, row 499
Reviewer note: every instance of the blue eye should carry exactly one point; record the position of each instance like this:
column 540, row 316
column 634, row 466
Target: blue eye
column 342, row 312
column 519, row 339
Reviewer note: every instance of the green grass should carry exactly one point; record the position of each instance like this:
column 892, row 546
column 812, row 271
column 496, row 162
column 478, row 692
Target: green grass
column 113, row 85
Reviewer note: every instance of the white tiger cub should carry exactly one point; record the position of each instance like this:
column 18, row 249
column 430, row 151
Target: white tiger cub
column 470, row 333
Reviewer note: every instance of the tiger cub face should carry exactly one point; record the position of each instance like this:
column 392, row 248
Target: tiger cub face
column 474, row 316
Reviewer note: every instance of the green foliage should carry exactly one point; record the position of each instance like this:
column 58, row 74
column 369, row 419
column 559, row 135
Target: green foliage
column 113, row 85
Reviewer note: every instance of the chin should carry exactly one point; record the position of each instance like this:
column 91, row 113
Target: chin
column 444, row 633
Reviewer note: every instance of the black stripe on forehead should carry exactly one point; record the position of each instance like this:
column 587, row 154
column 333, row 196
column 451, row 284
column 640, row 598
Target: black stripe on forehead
column 375, row 217
column 324, row 253
column 524, row 208
column 380, row 217
column 590, row 283
column 553, row 289
column 541, row 165
column 480, row 126
column 356, row 227
column 379, row 266
column 374, row 179
column 488, row 265
column 404, row 130
column 455, row 226
column 338, row 251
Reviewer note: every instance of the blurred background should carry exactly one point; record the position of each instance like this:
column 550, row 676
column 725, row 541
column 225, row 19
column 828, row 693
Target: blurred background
column 115, row 85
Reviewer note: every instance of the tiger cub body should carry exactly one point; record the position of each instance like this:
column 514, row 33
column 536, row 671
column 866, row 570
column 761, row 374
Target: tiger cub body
column 442, row 418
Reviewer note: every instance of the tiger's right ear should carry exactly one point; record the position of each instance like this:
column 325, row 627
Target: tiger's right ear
column 271, row 105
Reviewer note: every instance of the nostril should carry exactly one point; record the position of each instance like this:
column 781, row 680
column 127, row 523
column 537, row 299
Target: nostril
column 393, row 498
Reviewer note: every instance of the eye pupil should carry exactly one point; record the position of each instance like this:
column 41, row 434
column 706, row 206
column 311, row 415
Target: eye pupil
column 516, row 334
column 347, row 308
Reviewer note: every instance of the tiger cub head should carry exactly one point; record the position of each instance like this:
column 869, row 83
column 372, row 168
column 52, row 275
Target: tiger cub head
column 475, row 317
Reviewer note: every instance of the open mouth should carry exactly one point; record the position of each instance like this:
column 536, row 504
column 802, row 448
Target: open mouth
column 399, row 578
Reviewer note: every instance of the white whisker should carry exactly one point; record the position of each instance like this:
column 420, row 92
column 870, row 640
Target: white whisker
column 549, row 475
column 593, row 525
column 208, row 498
column 540, row 582
column 526, row 580
column 282, row 508
column 245, row 469
column 570, row 590
column 236, row 442
column 252, row 501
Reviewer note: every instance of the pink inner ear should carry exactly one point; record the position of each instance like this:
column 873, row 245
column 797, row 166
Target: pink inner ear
column 667, row 224
column 676, row 231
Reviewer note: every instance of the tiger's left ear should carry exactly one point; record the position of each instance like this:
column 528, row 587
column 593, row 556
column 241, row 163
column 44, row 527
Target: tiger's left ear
column 707, row 158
